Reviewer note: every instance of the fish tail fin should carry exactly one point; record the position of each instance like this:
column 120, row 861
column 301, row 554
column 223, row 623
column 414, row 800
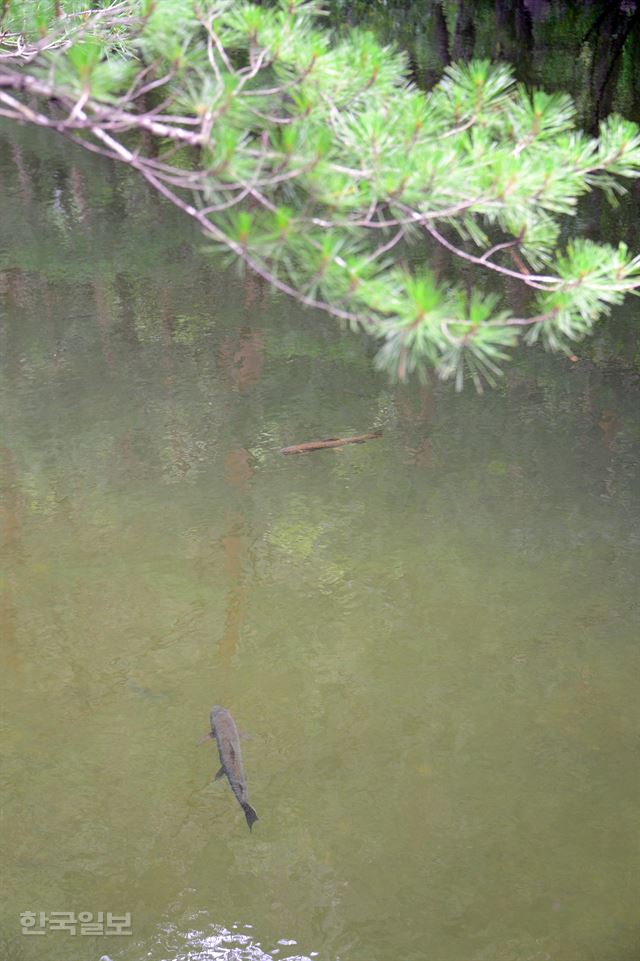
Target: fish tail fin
column 249, row 813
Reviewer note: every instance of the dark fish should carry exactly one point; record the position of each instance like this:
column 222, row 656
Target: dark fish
column 224, row 730
column 331, row 442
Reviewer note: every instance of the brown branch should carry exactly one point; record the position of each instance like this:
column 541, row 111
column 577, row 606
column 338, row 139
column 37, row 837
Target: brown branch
column 539, row 281
column 385, row 248
column 494, row 250
column 11, row 79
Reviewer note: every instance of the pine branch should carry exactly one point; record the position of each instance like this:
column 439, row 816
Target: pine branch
column 312, row 163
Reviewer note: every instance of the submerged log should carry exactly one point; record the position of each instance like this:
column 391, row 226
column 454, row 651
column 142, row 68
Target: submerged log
column 330, row 442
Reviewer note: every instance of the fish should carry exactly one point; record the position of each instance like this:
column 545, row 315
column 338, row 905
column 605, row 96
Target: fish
column 330, row 442
column 225, row 733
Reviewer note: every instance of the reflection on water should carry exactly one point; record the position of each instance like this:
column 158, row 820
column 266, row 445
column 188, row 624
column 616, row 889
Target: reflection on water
column 589, row 50
column 431, row 640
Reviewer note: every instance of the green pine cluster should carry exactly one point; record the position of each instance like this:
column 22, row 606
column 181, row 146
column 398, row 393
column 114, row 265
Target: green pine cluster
column 310, row 157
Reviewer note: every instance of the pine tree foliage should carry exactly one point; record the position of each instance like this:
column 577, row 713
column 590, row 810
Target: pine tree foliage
column 309, row 157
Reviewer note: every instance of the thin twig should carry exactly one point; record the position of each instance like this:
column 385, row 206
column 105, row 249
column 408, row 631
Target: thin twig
column 539, row 281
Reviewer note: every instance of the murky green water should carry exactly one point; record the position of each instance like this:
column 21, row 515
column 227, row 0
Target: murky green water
column 432, row 638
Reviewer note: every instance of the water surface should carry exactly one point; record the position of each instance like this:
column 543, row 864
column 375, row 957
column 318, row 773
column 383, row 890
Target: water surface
column 432, row 639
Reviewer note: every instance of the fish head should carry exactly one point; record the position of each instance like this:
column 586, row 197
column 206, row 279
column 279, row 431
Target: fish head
column 215, row 710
